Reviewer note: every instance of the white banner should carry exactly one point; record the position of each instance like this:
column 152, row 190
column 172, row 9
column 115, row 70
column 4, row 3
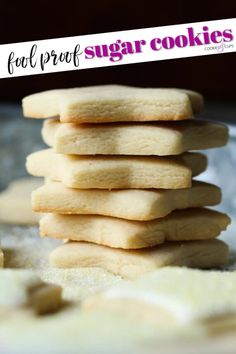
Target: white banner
column 117, row 48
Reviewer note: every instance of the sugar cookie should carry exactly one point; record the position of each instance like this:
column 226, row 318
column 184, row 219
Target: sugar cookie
column 15, row 204
column 133, row 204
column 1, row 258
column 131, row 264
column 22, row 288
column 168, row 138
column 114, row 172
column 180, row 225
column 176, row 291
column 112, row 103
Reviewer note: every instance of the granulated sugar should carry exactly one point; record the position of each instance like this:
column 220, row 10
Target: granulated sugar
column 23, row 248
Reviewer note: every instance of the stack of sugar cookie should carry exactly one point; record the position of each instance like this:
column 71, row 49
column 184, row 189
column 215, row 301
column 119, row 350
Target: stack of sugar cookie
column 118, row 178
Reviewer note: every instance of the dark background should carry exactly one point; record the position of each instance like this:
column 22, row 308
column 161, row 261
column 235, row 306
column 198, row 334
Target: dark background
column 214, row 76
